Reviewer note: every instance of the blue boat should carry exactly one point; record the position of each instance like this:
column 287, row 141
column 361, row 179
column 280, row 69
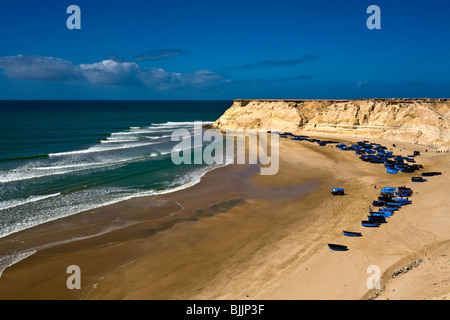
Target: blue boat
column 337, row 247
column 378, row 203
column 402, row 201
column 337, row 191
column 352, row 234
column 385, row 213
column 393, row 171
column 376, row 219
column 369, row 224
column 380, row 214
column 404, row 192
column 386, row 209
column 393, row 205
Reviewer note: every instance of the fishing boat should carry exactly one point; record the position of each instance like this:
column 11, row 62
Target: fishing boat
column 378, row 203
column 376, row 219
column 393, row 171
column 337, row 247
column 337, row 191
column 404, row 192
column 386, row 208
column 430, row 174
column 369, row 224
column 393, row 205
column 386, row 197
column 418, row 179
column 402, row 201
column 391, row 211
column 386, row 213
column 381, row 214
column 352, row 234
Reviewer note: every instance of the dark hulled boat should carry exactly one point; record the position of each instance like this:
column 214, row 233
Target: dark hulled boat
column 430, row 174
column 352, row 234
column 337, row 191
column 376, row 219
column 378, row 203
column 337, row 247
column 369, row 224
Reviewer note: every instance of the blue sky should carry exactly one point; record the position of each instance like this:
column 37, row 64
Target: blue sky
column 224, row 50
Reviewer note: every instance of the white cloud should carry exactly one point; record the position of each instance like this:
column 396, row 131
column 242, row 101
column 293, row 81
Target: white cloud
column 160, row 79
column 107, row 72
column 201, row 77
column 39, row 68
column 110, row 72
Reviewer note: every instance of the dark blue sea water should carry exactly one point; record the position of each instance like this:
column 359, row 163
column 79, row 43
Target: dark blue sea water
column 58, row 158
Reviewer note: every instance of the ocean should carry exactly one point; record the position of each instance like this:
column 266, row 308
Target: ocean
column 59, row 158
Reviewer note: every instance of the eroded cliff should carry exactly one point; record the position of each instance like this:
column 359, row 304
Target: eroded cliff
column 420, row 121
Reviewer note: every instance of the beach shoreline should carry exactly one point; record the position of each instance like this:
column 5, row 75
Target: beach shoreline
column 252, row 236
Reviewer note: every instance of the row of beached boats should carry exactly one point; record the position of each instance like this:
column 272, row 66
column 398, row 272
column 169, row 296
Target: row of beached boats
column 368, row 152
column 372, row 153
column 389, row 202
column 390, row 199
column 377, row 153
column 305, row 138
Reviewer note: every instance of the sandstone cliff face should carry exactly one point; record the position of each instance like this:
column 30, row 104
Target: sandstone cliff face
column 420, row 121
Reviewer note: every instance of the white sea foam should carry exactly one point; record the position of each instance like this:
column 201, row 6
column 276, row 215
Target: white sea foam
column 12, row 259
column 56, row 206
column 137, row 132
column 108, row 140
column 158, row 137
column 158, row 127
column 26, row 173
column 179, row 124
column 95, row 199
column 20, row 202
column 102, row 149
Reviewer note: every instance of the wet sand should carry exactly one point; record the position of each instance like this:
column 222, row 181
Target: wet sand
column 240, row 235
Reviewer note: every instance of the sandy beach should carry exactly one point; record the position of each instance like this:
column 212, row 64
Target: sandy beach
column 235, row 154
column 240, row 235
